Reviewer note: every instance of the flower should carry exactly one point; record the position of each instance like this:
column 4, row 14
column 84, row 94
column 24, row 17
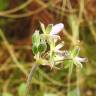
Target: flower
column 55, row 30
column 79, row 60
column 76, row 59
column 52, row 31
column 46, row 43
column 59, row 54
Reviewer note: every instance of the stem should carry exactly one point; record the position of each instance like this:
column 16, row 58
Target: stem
column 33, row 69
column 68, row 82
column 69, row 78
column 78, row 81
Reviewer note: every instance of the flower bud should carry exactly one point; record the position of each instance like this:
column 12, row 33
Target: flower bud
column 42, row 47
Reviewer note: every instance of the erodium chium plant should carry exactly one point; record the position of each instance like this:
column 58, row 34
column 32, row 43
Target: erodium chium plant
column 47, row 49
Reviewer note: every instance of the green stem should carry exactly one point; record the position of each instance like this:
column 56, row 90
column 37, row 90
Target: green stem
column 33, row 69
column 69, row 78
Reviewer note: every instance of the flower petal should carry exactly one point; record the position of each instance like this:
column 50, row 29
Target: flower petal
column 55, row 37
column 57, row 28
column 78, row 63
column 64, row 53
column 58, row 58
column 80, row 59
column 59, row 46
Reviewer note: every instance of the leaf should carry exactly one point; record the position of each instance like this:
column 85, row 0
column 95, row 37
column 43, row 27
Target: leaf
column 7, row 94
column 75, row 51
column 22, row 89
column 36, row 38
column 42, row 27
column 49, row 28
column 3, row 4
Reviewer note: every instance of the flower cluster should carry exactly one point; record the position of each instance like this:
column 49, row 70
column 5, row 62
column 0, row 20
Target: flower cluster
column 47, row 45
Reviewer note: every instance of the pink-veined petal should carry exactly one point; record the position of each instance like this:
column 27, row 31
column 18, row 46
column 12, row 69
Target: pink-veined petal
column 57, row 28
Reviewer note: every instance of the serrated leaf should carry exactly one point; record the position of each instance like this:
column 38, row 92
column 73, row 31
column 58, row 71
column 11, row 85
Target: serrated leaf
column 22, row 89
column 49, row 28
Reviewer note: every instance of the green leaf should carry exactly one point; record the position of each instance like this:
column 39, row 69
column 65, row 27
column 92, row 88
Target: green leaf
column 75, row 51
column 7, row 94
column 22, row 89
column 34, row 49
column 36, row 38
column 3, row 4
column 49, row 28
column 42, row 27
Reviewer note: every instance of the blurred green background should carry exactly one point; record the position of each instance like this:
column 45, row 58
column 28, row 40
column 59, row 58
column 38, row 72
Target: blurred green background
column 19, row 19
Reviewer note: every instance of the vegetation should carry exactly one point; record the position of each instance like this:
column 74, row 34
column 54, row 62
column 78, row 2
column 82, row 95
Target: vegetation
column 50, row 36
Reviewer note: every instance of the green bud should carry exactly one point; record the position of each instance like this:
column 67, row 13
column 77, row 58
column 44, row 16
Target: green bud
column 36, row 38
column 42, row 47
column 34, row 49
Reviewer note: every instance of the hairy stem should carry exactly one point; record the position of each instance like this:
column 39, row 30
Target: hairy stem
column 33, row 69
